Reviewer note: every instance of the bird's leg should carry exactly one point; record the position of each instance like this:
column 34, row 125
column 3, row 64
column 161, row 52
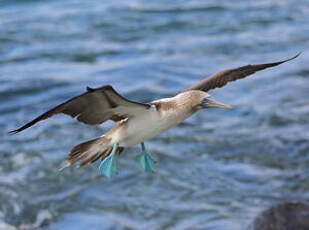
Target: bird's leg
column 146, row 161
column 108, row 166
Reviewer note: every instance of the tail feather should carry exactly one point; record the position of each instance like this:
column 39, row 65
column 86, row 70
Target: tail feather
column 89, row 152
column 95, row 157
column 102, row 155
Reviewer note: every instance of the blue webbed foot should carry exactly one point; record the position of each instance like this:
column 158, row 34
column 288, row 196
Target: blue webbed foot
column 146, row 161
column 108, row 166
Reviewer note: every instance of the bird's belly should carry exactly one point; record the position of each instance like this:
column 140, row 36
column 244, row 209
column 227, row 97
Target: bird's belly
column 138, row 132
column 144, row 128
column 140, row 136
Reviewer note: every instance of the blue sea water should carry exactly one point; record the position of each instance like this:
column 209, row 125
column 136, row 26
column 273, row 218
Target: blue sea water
column 217, row 170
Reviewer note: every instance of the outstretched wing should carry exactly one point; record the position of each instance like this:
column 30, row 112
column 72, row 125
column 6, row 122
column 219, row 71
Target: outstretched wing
column 94, row 107
column 221, row 78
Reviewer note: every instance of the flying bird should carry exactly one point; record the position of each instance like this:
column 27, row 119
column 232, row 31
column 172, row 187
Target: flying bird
column 137, row 122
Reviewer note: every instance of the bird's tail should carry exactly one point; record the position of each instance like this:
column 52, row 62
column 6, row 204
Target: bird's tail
column 89, row 152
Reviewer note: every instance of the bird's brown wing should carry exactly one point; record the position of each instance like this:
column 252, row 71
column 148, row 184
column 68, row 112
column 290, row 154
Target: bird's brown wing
column 221, row 78
column 94, row 107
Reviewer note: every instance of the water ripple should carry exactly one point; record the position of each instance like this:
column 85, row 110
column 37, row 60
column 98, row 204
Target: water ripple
column 217, row 170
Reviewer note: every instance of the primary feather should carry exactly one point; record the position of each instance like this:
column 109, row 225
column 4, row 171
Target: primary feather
column 221, row 78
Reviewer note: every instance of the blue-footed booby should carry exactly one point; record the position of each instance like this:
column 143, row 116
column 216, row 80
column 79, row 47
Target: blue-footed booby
column 137, row 122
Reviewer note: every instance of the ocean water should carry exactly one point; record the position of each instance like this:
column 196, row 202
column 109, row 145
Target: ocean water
column 217, row 170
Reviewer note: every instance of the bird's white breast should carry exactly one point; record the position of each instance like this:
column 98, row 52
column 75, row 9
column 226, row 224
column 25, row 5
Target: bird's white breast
column 163, row 114
column 148, row 125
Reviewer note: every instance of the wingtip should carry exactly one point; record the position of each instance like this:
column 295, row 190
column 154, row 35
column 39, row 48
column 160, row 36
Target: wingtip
column 287, row 60
column 12, row 132
column 297, row 55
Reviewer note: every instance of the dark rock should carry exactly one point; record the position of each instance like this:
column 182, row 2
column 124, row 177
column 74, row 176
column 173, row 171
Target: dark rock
column 285, row 216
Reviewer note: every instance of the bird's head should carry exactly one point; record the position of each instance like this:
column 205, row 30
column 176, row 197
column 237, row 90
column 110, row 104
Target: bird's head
column 209, row 102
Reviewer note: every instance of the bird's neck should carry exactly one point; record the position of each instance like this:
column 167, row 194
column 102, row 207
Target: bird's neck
column 183, row 104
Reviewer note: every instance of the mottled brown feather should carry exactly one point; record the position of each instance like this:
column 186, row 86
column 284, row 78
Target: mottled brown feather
column 163, row 106
column 95, row 157
column 101, row 155
column 83, row 147
column 221, row 78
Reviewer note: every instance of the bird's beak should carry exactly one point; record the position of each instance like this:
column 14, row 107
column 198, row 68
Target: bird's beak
column 212, row 103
